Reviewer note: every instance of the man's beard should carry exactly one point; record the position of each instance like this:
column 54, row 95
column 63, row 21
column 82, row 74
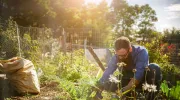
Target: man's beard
column 126, row 60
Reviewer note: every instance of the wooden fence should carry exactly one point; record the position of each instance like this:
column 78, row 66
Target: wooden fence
column 175, row 55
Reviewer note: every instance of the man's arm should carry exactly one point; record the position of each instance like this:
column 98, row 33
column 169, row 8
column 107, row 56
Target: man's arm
column 112, row 66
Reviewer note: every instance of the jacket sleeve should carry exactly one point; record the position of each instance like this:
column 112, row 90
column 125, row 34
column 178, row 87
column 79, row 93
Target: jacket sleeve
column 142, row 61
column 112, row 66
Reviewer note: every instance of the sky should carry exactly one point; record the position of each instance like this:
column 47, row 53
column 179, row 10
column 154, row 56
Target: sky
column 167, row 11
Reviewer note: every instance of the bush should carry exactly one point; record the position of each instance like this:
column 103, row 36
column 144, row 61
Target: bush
column 156, row 55
column 72, row 71
column 8, row 40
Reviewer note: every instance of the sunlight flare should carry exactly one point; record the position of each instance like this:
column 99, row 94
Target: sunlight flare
column 92, row 1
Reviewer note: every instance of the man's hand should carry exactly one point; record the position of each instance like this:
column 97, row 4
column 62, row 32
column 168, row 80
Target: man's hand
column 132, row 84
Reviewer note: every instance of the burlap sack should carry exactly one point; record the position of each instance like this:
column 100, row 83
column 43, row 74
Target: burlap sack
column 22, row 76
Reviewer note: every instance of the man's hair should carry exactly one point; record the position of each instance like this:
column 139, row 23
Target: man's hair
column 122, row 42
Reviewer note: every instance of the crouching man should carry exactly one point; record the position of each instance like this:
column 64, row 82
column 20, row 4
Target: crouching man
column 137, row 71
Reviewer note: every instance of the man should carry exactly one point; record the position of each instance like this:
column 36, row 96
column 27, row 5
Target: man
column 135, row 57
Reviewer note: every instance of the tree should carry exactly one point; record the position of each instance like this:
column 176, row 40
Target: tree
column 58, row 14
column 95, row 17
column 146, row 19
column 133, row 20
column 125, row 17
column 171, row 35
column 39, row 13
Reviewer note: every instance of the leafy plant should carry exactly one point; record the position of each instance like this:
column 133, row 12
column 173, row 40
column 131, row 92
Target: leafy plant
column 72, row 71
column 9, row 41
column 173, row 92
column 30, row 48
column 156, row 55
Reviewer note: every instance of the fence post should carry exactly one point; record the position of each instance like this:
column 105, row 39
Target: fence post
column 64, row 41
column 85, row 46
column 19, row 45
column 85, row 43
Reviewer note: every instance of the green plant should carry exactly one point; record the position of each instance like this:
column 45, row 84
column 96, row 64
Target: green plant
column 156, row 55
column 173, row 92
column 72, row 71
column 30, row 48
column 154, row 51
column 9, row 41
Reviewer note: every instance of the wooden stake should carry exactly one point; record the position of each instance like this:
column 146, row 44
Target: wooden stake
column 96, row 58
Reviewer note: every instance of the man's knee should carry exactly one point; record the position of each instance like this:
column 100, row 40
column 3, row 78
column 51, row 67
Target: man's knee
column 154, row 66
column 155, row 72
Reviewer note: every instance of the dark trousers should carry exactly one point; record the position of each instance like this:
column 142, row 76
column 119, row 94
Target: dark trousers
column 153, row 76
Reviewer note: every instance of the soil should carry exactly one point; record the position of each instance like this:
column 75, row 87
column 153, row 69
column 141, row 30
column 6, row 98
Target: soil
column 49, row 91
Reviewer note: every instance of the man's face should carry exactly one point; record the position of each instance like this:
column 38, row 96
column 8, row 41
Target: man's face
column 122, row 53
